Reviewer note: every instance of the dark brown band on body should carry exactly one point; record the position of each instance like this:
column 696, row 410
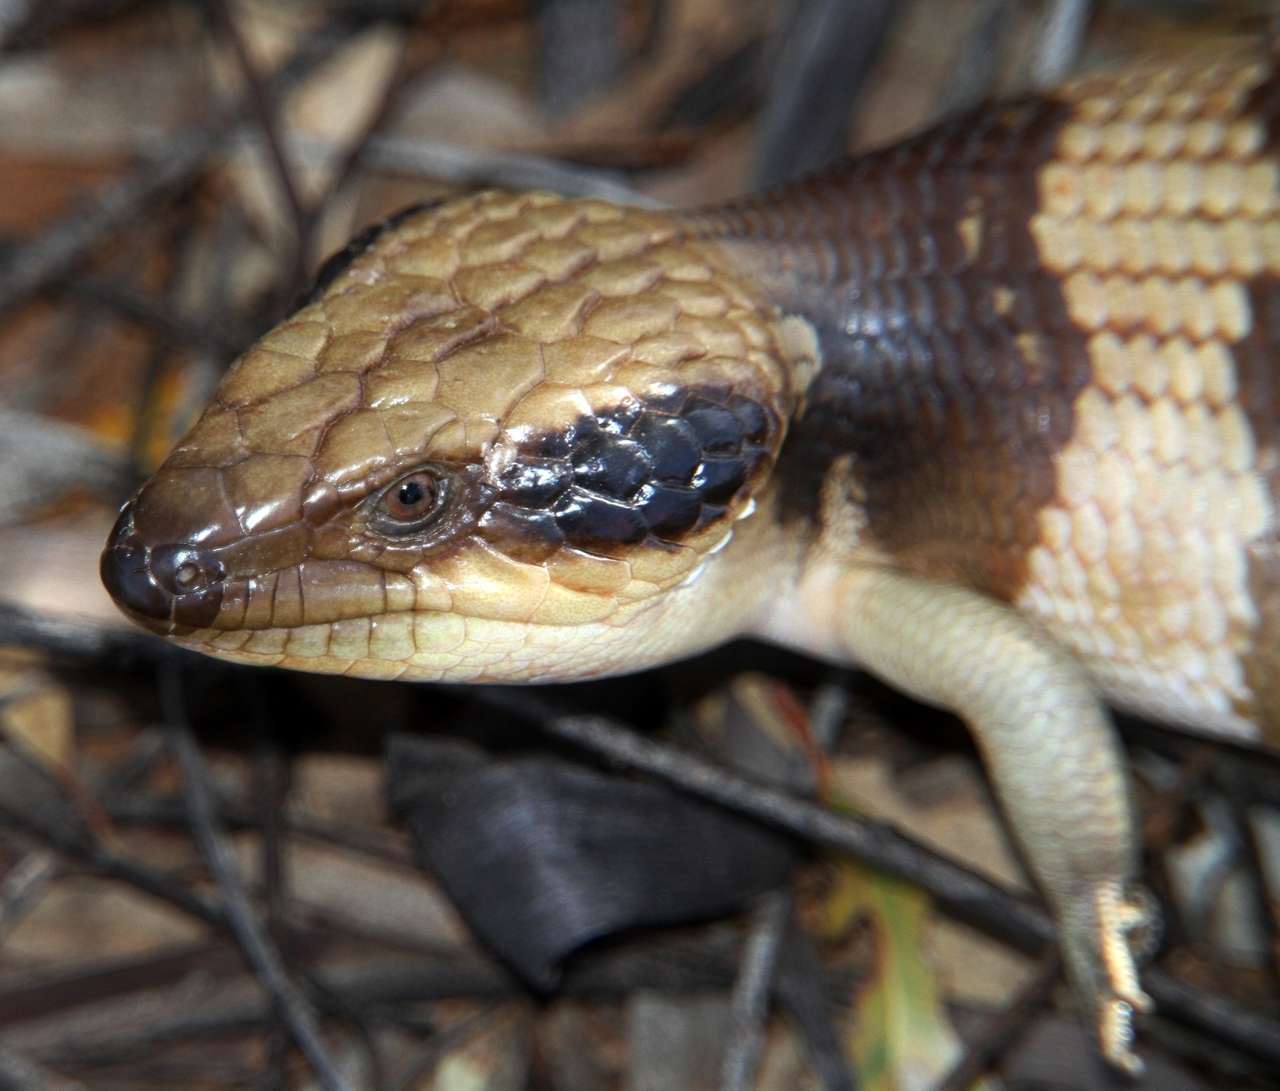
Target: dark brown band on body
column 950, row 364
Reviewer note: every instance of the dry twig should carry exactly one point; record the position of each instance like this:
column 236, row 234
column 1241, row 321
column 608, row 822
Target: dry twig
column 262, row 955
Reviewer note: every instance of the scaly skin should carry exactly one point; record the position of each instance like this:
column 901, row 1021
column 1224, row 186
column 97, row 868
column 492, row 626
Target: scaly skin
column 992, row 414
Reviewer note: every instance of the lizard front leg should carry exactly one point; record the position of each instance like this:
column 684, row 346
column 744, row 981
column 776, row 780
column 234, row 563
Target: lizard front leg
column 1047, row 741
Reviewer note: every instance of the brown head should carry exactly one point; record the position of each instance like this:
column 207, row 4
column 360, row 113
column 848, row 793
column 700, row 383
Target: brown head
column 508, row 439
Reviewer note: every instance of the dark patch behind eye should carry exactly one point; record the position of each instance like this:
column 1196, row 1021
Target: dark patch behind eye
column 339, row 262
column 654, row 470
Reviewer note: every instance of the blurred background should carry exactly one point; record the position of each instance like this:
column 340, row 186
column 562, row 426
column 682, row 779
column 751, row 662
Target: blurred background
column 219, row 878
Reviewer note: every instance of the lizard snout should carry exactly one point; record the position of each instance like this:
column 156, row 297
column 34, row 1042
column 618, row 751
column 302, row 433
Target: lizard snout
column 169, row 583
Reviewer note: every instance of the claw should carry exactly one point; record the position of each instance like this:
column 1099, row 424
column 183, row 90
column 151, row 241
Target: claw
column 1115, row 1034
column 1100, row 958
column 1116, row 918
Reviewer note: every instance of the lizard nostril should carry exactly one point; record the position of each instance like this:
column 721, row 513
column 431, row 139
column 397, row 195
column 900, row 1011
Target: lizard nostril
column 184, row 570
column 187, row 576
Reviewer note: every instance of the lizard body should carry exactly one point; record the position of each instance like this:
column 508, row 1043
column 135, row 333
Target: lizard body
column 992, row 413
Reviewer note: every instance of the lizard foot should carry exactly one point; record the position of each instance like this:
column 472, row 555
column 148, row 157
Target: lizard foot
column 1100, row 930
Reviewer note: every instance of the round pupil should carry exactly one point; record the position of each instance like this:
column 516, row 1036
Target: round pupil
column 411, row 493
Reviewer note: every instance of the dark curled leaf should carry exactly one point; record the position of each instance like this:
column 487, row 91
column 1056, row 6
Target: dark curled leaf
column 542, row 856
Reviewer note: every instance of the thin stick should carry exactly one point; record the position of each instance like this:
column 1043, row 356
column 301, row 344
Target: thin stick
column 261, row 954
column 750, row 1002
column 1060, row 41
column 75, row 844
column 827, row 54
column 1006, row 1030
column 262, row 104
column 23, row 886
column 270, row 789
column 463, row 165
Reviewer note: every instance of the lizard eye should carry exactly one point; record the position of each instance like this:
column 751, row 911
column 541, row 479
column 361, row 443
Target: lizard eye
column 410, row 503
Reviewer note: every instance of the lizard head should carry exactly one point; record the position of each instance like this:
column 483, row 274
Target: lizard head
column 516, row 437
